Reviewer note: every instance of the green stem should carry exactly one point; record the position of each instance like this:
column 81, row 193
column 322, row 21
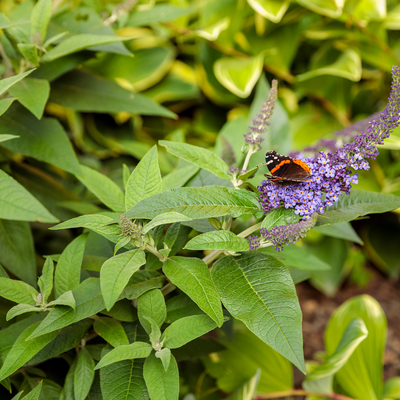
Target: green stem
column 153, row 250
column 250, row 230
column 301, row 392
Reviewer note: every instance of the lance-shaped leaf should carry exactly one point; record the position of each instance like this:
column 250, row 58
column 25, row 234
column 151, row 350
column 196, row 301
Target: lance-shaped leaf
column 198, row 202
column 151, row 305
column 35, row 393
column 4, row 106
column 239, row 75
column 258, row 290
column 165, row 356
column 22, row 350
column 199, row 156
column 21, row 309
column 89, row 301
column 279, row 217
column 179, row 177
column 125, row 352
column 45, row 282
column 40, row 18
column 270, row 9
column 116, row 272
column 18, row 291
column 143, row 281
column 103, row 188
column 161, row 384
column 111, row 331
column 320, row 379
column 218, row 240
column 145, row 180
column 6, row 83
column 162, row 219
column 192, row 276
column 3, row 138
column 18, row 204
column 83, row 374
column 66, row 299
column 186, row 329
column 68, row 271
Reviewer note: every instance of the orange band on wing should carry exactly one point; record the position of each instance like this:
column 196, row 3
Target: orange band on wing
column 280, row 165
column 302, row 164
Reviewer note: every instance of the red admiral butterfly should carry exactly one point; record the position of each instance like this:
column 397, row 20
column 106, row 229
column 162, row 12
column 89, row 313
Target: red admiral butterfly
column 286, row 170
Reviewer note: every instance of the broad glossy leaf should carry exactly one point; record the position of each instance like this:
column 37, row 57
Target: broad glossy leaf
column 85, row 92
column 21, row 309
column 125, row 352
column 342, row 231
column 68, row 271
column 161, row 384
column 141, row 282
column 320, row 379
column 202, row 202
column 22, row 350
column 361, row 376
column 116, row 272
column 88, row 302
column 192, row 276
column 103, row 188
column 179, row 177
column 270, row 9
column 32, row 94
column 40, row 18
column 145, row 180
column 358, row 203
column 248, row 390
column 77, row 43
column 186, row 329
column 199, row 156
column 18, row 291
column 158, row 13
column 83, row 374
column 45, row 282
column 151, row 305
column 4, row 105
column 18, row 204
column 6, row 83
column 111, row 331
column 218, row 240
column 258, row 290
column 163, row 219
column 18, row 253
column 44, row 140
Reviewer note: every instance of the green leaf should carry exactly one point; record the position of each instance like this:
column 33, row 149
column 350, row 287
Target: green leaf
column 163, row 219
column 145, row 180
column 258, row 290
column 155, row 333
column 218, row 240
column 81, row 91
column 158, row 13
column 279, row 217
column 79, row 42
column 179, row 177
column 3, row 138
column 111, row 331
column 125, row 174
column 186, row 329
column 23, row 350
column 45, row 139
column 165, row 356
column 123, row 379
column 141, row 282
column 239, row 75
column 123, row 310
column 151, row 305
column 195, row 203
column 45, row 282
column 103, row 188
column 18, row 291
column 357, row 204
column 35, row 393
column 21, row 309
column 125, row 352
column 171, row 235
column 96, row 223
column 161, row 384
column 30, row 52
column 83, row 374
column 18, row 204
column 17, row 252
column 116, row 272
column 6, row 83
column 342, row 231
column 248, row 390
column 66, row 299
column 121, row 243
column 192, row 276
column 332, row 9
column 361, row 376
column 88, row 302
column 32, row 94
column 4, row 105
column 68, row 271
column 320, row 379
column 270, row 9
column 40, row 18
column 391, row 389
column 199, row 156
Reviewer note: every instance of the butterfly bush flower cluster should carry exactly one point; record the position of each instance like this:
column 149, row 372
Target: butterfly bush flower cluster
column 332, row 172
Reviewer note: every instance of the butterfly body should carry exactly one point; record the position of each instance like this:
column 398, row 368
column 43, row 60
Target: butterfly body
column 286, row 170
